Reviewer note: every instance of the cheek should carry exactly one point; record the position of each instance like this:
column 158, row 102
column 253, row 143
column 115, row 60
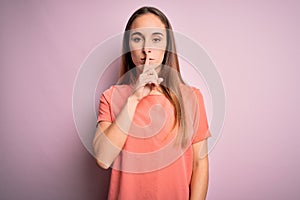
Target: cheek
column 160, row 55
column 135, row 56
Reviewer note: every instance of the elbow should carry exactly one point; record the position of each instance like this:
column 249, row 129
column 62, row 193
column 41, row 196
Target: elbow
column 102, row 165
column 104, row 151
column 101, row 158
column 96, row 150
column 202, row 164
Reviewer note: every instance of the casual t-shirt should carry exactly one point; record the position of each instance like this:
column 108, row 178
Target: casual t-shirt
column 152, row 165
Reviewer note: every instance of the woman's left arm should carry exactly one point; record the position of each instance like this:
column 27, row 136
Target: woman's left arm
column 199, row 182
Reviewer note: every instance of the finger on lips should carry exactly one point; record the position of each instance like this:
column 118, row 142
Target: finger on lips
column 149, row 73
column 147, row 63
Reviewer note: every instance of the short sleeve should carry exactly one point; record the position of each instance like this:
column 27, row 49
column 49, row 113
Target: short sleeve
column 200, row 120
column 105, row 113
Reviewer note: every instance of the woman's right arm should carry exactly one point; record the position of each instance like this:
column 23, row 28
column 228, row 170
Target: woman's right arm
column 110, row 137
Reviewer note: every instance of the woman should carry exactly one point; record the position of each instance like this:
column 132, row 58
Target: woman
column 152, row 127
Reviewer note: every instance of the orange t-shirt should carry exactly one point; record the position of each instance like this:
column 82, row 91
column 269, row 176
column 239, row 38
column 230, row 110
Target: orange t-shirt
column 151, row 165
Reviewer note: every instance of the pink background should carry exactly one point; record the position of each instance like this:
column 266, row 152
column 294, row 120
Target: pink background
column 254, row 44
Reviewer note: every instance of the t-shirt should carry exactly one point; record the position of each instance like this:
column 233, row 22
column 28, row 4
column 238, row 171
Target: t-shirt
column 152, row 165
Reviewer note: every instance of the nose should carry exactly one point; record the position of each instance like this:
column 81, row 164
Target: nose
column 147, row 47
column 146, row 50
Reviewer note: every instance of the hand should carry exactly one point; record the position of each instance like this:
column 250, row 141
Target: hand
column 147, row 80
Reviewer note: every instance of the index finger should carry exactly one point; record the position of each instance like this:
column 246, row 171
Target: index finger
column 147, row 63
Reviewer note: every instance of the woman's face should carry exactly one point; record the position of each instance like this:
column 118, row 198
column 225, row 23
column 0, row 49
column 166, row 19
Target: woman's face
column 147, row 37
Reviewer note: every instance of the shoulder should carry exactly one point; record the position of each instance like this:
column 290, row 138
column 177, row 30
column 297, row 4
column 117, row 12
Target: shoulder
column 190, row 91
column 114, row 88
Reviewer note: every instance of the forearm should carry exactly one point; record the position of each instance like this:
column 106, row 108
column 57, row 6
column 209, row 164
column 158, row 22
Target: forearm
column 199, row 182
column 109, row 141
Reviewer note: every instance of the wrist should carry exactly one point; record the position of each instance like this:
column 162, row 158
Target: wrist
column 132, row 100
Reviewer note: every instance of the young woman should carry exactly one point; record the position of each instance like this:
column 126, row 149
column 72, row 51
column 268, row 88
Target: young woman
column 152, row 127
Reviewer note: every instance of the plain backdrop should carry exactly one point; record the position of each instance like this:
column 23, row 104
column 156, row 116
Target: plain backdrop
column 254, row 45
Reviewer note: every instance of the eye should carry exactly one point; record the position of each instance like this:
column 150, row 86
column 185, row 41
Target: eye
column 155, row 40
column 136, row 39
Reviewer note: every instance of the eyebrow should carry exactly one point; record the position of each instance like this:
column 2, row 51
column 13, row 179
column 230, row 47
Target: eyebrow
column 136, row 33
column 140, row 34
column 158, row 33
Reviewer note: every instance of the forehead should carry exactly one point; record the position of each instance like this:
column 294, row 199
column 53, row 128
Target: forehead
column 148, row 31
column 147, row 21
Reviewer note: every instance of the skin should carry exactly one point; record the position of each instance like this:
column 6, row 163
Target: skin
column 148, row 41
column 147, row 51
column 147, row 37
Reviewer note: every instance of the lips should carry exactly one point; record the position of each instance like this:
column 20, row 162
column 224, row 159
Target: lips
column 145, row 59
